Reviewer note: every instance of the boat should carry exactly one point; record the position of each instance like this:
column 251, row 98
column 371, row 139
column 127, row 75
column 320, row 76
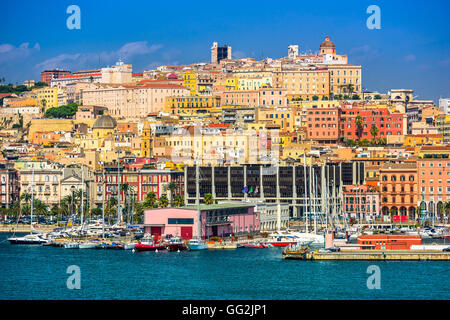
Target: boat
column 175, row 244
column 29, row 239
column 71, row 245
column 88, row 245
column 149, row 245
column 253, row 245
column 197, row 244
column 129, row 246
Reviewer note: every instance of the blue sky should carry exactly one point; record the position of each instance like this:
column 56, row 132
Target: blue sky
column 411, row 50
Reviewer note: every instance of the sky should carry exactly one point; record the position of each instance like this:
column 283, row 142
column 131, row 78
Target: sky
column 410, row 51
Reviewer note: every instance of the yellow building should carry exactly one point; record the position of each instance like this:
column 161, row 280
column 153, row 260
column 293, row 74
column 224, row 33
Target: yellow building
column 232, row 83
column 190, row 81
column 47, row 97
column 146, row 143
column 303, row 83
column 283, row 117
column 189, row 105
column 247, row 84
column 423, row 139
column 443, row 125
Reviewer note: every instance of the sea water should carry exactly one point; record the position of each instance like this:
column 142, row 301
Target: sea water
column 39, row 272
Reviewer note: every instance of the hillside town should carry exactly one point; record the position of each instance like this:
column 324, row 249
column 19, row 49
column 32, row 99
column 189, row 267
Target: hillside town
column 296, row 138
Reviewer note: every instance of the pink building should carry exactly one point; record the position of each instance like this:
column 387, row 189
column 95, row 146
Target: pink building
column 216, row 220
column 361, row 201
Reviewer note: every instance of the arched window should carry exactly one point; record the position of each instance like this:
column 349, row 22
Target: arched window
column 393, row 178
column 411, row 178
column 384, row 178
column 402, row 178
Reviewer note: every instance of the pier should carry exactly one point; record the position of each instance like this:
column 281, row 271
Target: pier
column 372, row 255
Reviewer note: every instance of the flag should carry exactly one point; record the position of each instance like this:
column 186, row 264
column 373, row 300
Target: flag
column 251, row 189
column 69, row 224
column 245, row 190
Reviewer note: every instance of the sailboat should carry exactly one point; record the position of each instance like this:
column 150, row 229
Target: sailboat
column 30, row 238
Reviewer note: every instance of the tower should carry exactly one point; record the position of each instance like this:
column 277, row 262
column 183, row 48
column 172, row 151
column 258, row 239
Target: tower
column 292, row 51
column 220, row 53
column 146, row 143
column 327, row 47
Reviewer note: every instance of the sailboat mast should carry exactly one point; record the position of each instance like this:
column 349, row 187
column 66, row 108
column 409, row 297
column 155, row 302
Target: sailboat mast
column 32, row 199
column 306, row 192
column 103, row 206
column 82, row 197
column 119, row 215
column 197, row 193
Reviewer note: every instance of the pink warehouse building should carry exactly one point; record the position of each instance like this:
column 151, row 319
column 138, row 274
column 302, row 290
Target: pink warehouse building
column 216, row 220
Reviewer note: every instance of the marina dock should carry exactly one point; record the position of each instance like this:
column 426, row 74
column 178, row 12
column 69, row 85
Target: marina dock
column 375, row 255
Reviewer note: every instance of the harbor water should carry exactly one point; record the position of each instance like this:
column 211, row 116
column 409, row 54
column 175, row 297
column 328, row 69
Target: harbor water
column 38, row 272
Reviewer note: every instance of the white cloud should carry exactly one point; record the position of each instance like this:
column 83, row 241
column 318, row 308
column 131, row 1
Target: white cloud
column 445, row 62
column 90, row 59
column 10, row 53
column 410, row 58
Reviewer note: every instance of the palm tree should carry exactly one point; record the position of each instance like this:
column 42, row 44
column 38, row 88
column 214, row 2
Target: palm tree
column 44, row 104
column 350, row 88
column 125, row 188
column 374, row 131
column 171, row 187
column 139, row 212
column 112, row 202
column 208, row 199
column 25, row 197
column 40, row 207
column 163, row 201
column 359, row 126
column 150, row 200
column 178, row 200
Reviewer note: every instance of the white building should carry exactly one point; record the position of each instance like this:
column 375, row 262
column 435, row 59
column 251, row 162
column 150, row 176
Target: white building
column 444, row 104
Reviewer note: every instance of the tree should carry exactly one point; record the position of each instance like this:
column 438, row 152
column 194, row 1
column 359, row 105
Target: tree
column 163, row 201
column 40, row 208
column 96, row 212
column 315, row 98
column 208, row 199
column 359, row 126
column 171, row 187
column 356, row 97
column 178, row 200
column 374, row 131
column 25, row 197
column 110, row 205
column 350, row 88
column 139, row 212
column 377, row 97
column 150, row 200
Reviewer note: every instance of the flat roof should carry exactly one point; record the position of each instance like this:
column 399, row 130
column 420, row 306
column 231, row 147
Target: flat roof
column 218, row 206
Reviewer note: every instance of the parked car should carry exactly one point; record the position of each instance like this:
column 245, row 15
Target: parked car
column 446, row 249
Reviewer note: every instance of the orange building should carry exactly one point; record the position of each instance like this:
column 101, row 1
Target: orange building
column 434, row 185
column 323, row 124
column 390, row 242
column 399, row 189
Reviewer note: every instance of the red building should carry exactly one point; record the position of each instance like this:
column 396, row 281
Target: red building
column 140, row 179
column 386, row 122
column 390, row 242
column 48, row 75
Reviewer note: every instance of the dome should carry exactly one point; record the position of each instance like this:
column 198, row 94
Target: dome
column 327, row 43
column 105, row 122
